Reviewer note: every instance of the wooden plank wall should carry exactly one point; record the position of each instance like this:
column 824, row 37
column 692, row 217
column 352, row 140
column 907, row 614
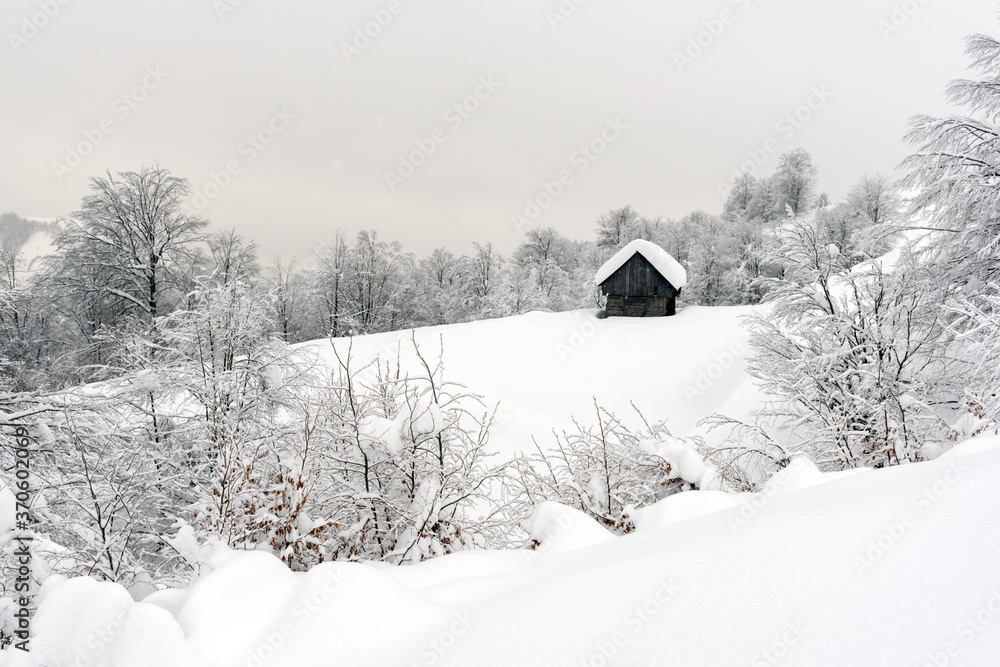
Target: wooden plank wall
column 639, row 306
column 637, row 277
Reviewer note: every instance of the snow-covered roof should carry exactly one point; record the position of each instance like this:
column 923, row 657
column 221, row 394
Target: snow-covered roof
column 661, row 260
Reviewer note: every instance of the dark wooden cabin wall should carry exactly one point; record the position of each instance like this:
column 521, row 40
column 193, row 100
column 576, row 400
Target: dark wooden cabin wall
column 637, row 277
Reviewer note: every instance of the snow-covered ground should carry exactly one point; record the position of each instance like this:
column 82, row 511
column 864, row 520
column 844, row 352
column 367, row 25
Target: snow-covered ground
column 543, row 369
column 37, row 247
column 876, row 567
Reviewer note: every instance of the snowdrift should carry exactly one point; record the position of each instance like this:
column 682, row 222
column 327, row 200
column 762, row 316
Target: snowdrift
column 544, row 369
column 888, row 567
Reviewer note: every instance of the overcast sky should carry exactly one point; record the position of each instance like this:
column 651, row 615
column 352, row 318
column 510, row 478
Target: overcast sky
column 189, row 82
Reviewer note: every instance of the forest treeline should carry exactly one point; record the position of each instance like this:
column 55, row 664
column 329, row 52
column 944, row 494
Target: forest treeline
column 132, row 254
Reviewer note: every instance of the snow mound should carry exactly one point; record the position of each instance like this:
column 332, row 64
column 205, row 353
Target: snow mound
column 891, row 567
column 977, row 445
column 688, row 464
column 85, row 622
column 252, row 610
column 682, row 507
column 558, row 528
column 800, row 473
column 661, row 260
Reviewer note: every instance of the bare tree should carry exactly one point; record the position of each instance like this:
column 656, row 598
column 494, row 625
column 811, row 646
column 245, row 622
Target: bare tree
column 614, row 226
column 740, row 196
column 285, row 295
column 233, row 257
column 875, row 198
column 332, row 260
column 954, row 172
column 796, row 181
column 122, row 245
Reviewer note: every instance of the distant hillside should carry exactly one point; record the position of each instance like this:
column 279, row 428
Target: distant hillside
column 30, row 239
column 15, row 230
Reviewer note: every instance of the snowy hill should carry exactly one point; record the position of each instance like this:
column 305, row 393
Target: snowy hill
column 546, row 368
column 32, row 238
column 38, row 246
column 877, row 567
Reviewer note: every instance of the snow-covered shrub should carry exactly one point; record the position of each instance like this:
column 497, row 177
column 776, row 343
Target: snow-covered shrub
column 750, row 456
column 606, row 470
column 404, row 472
column 978, row 330
column 219, row 362
column 98, row 490
column 292, row 534
column 855, row 358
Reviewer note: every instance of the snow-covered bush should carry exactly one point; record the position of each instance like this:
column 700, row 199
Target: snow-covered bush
column 978, row 330
column 402, row 466
column 606, row 470
column 854, row 358
column 101, row 492
column 224, row 373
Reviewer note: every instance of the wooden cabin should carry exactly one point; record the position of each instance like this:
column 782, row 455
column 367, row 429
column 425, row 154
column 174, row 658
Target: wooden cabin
column 641, row 280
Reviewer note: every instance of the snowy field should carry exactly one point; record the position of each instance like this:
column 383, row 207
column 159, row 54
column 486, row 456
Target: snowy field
column 872, row 567
column 889, row 567
column 544, row 369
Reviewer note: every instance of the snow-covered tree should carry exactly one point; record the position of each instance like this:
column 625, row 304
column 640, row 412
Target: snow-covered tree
column 977, row 327
column 123, row 244
column 614, row 227
column 712, row 260
column 954, row 173
column 852, row 356
column 375, row 291
column 550, row 258
column 740, row 196
column 795, row 182
column 875, row 197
